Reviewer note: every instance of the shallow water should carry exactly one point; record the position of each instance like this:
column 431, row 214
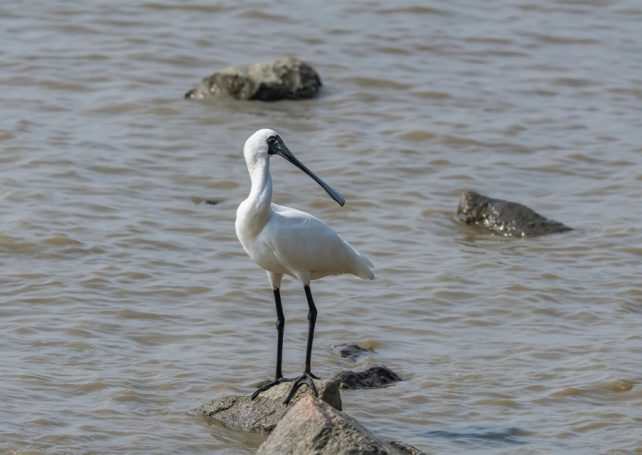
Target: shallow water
column 125, row 300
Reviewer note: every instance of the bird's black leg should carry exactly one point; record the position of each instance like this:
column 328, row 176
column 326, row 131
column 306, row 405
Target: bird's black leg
column 307, row 376
column 280, row 326
column 312, row 320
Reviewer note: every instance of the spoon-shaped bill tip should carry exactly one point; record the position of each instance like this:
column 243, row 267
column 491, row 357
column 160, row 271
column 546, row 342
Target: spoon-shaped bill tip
column 337, row 197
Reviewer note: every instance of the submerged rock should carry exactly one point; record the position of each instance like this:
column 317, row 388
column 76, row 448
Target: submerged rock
column 406, row 449
column 505, row 218
column 370, row 378
column 313, row 427
column 352, row 351
column 240, row 412
column 201, row 200
column 286, row 78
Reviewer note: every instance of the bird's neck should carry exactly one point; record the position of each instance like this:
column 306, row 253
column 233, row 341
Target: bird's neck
column 260, row 198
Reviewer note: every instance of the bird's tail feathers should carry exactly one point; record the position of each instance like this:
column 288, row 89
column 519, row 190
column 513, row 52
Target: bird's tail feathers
column 364, row 267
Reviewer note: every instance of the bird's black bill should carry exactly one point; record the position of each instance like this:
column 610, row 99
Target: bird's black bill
column 283, row 151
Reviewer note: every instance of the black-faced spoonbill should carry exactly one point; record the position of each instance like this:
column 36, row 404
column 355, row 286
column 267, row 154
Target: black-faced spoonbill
column 283, row 240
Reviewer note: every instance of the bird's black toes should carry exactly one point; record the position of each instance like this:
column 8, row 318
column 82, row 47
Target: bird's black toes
column 305, row 379
column 277, row 381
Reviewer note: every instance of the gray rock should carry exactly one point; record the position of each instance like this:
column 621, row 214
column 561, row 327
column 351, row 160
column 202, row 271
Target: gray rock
column 505, row 218
column 313, row 427
column 239, row 412
column 406, row 449
column 201, row 200
column 370, row 378
column 286, row 78
column 351, row 351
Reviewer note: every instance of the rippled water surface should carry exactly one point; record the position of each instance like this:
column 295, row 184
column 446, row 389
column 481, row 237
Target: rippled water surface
column 126, row 300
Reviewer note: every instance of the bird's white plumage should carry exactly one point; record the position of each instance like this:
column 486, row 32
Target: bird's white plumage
column 284, row 240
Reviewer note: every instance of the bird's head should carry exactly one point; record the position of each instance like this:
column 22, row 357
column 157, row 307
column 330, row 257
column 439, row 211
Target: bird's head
column 257, row 145
column 266, row 142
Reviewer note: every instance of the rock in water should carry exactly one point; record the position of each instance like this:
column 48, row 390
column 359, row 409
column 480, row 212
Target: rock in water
column 239, row 412
column 371, row 378
column 508, row 219
column 313, row 427
column 287, row 78
column 352, row 351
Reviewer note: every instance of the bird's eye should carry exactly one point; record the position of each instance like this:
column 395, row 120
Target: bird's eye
column 271, row 140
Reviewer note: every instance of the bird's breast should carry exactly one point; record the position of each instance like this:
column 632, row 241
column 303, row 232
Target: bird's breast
column 256, row 241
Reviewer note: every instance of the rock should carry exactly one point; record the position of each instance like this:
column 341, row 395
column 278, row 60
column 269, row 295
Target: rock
column 201, row 200
column 505, row 218
column 239, row 412
column 371, row 378
column 286, row 78
column 313, row 427
column 406, row 449
column 352, row 351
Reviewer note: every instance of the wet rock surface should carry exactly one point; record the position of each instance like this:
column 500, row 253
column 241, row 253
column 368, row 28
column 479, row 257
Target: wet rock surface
column 505, row 218
column 313, row 427
column 286, row 78
column 352, row 351
column 370, row 378
column 240, row 412
column 308, row 424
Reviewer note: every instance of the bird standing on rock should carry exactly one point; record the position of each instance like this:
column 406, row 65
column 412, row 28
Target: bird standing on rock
column 284, row 240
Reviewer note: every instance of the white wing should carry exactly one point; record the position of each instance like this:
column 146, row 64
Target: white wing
column 302, row 243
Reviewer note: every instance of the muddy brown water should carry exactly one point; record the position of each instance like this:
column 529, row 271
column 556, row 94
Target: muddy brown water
column 125, row 301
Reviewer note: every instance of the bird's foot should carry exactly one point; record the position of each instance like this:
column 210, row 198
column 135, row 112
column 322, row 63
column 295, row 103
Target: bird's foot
column 304, row 379
column 269, row 385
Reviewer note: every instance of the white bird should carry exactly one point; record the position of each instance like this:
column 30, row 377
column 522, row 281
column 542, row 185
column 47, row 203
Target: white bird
column 284, row 240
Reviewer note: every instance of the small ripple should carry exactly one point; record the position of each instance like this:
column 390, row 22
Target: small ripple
column 119, row 108
column 133, row 314
column 394, row 50
column 4, row 136
column 632, row 307
column 559, row 39
column 163, row 111
column 71, row 86
column 499, row 402
column 477, row 435
column 411, row 10
column 628, row 91
column 431, row 95
column 458, row 141
column 418, row 136
column 261, row 15
column 93, row 386
column 109, row 170
column 15, row 245
column 596, row 390
column 201, row 8
column 574, row 82
column 377, row 83
column 61, row 240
